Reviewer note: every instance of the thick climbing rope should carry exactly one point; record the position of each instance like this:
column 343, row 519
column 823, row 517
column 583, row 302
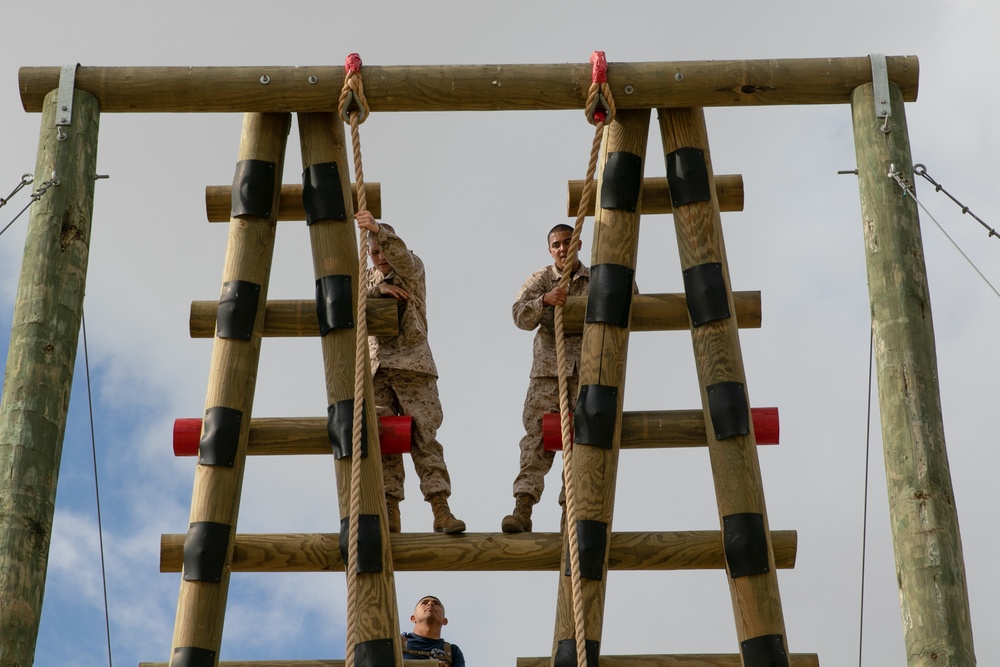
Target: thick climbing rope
column 600, row 110
column 354, row 110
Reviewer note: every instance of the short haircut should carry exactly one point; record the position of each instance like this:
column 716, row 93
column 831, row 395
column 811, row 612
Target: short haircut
column 432, row 597
column 561, row 227
column 388, row 227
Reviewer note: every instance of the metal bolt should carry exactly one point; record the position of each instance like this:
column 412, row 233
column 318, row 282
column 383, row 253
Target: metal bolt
column 65, row 108
column 629, row 89
column 312, row 79
column 265, row 79
column 678, row 77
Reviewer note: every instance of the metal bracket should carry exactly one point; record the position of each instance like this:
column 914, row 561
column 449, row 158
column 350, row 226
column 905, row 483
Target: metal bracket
column 880, row 83
column 64, row 98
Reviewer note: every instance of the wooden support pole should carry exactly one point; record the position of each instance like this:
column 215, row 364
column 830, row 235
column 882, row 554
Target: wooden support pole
column 290, row 436
column 930, row 568
column 735, row 468
column 39, row 371
column 294, row 318
column 650, row 312
column 218, row 201
column 201, row 605
column 335, row 252
column 704, row 83
column 603, row 355
column 656, row 195
column 480, row 552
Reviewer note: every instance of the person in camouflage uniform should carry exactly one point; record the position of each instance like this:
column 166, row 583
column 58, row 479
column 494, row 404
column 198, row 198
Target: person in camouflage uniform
column 534, row 309
column 404, row 375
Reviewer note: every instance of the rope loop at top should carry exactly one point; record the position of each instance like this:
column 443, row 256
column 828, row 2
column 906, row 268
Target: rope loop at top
column 352, row 97
column 600, row 107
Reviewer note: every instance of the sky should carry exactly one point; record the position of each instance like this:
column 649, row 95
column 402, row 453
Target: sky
column 473, row 194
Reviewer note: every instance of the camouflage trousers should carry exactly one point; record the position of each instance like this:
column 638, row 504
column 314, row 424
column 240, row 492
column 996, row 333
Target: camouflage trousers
column 542, row 397
column 399, row 392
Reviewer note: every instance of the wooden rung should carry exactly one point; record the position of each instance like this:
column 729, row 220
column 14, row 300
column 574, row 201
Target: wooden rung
column 480, row 552
column 295, row 318
column 218, row 201
column 492, row 87
column 287, row 663
column 656, row 195
column 291, row 436
column 693, row 660
column 650, row 312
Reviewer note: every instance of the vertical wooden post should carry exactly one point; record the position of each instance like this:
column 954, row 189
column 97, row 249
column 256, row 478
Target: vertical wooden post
column 930, row 567
column 336, row 253
column 735, row 468
column 215, row 504
column 39, row 371
column 603, row 358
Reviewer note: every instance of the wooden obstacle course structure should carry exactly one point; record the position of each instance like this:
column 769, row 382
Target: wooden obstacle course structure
column 268, row 95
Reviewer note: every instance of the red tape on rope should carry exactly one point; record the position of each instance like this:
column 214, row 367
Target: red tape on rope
column 352, row 63
column 600, row 64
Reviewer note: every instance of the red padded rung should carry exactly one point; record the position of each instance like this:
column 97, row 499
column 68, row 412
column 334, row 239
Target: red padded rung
column 395, row 435
column 765, row 428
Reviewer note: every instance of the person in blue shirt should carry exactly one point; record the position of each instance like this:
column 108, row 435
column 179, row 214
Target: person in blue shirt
column 425, row 642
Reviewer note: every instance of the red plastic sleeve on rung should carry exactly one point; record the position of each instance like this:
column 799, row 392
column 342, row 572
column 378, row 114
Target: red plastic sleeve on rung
column 187, row 436
column 352, row 63
column 765, row 428
column 395, row 434
column 600, row 63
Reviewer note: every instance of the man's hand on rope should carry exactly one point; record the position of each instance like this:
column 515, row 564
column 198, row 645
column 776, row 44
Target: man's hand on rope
column 555, row 297
column 367, row 221
column 395, row 291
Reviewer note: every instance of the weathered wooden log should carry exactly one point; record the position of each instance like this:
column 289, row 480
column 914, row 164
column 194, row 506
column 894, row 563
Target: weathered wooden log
column 650, row 312
column 930, row 568
column 690, row 660
column 215, row 503
column 656, row 195
column 480, row 552
column 44, row 339
column 288, row 436
column 296, row 318
column 719, row 362
column 218, row 201
column 650, row 85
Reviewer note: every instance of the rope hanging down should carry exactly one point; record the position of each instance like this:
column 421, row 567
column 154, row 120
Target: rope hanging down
column 354, row 110
column 600, row 110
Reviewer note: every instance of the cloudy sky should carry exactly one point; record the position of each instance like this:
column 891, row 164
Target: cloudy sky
column 473, row 195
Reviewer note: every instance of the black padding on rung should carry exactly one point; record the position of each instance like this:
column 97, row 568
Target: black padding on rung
column 727, row 404
column 610, row 294
column 764, row 651
column 253, row 189
column 333, row 303
column 687, row 176
column 220, row 437
column 323, row 193
column 592, row 539
column 340, row 428
column 745, row 542
column 369, row 542
column 192, row 656
column 374, row 653
column 566, row 652
column 237, row 309
column 595, row 415
column 205, row 551
column 707, row 297
column 622, row 181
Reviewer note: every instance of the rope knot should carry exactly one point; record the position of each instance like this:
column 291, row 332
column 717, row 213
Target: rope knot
column 600, row 107
column 352, row 96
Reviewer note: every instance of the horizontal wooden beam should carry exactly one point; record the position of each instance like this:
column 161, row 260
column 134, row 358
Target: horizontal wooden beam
column 692, row 660
column 219, row 204
column 295, row 318
column 291, row 436
column 480, row 552
column 650, row 312
column 656, row 195
column 649, row 85
column 290, row 663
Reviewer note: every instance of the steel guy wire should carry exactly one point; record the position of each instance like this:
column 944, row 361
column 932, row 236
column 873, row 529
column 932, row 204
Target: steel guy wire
column 921, row 170
column 36, row 195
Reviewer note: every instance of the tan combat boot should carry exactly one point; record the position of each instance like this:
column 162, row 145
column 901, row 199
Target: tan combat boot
column 392, row 514
column 520, row 520
column 444, row 520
